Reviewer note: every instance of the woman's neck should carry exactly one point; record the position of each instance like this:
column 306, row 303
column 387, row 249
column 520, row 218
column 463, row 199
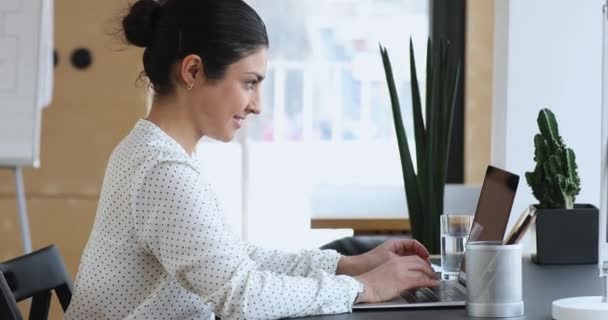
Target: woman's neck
column 174, row 121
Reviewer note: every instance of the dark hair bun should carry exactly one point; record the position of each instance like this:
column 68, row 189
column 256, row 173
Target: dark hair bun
column 140, row 24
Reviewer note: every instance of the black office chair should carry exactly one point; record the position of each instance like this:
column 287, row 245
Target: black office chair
column 34, row 275
column 350, row 246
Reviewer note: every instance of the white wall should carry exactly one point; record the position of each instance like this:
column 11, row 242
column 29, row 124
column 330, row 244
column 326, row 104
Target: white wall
column 547, row 54
column 279, row 186
column 222, row 163
column 277, row 210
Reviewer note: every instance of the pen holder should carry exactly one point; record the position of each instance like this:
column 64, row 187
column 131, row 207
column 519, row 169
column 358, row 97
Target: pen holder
column 494, row 279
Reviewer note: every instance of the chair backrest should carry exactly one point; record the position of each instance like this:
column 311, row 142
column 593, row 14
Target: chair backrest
column 8, row 305
column 351, row 246
column 34, row 275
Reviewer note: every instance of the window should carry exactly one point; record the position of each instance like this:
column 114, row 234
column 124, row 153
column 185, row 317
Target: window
column 326, row 123
column 325, row 79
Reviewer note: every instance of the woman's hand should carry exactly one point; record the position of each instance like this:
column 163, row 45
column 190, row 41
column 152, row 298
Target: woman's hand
column 395, row 276
column 356, row 265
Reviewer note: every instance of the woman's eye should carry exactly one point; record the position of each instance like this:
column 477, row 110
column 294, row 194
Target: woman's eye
column 251, row 83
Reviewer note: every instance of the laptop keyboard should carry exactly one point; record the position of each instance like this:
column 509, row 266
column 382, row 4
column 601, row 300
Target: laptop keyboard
column 447, row 291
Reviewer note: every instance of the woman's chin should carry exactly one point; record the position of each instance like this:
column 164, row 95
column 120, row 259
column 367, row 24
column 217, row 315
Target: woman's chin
column 227, row 137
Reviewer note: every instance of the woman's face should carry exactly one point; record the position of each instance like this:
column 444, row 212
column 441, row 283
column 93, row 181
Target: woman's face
column 219, row 107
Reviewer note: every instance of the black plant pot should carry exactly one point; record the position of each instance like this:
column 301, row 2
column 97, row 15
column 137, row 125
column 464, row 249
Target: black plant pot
column 567, row 236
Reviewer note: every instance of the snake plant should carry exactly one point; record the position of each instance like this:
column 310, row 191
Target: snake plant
column 425, row 179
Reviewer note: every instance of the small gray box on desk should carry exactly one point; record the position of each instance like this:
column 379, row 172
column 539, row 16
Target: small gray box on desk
column 567, row 236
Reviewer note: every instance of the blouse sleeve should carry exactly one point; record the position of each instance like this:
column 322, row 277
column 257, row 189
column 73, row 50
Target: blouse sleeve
column 178, row 220
column 296, row 264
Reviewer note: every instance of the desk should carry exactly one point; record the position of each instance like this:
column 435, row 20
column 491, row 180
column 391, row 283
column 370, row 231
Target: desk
column 541, row 285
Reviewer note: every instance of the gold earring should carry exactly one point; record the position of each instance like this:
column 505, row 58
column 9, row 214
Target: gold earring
column 190, row 86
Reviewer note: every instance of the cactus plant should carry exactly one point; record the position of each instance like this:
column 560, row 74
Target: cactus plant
column 425, row 182
column 554, row 181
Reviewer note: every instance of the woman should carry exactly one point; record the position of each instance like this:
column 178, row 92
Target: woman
column 160, row 248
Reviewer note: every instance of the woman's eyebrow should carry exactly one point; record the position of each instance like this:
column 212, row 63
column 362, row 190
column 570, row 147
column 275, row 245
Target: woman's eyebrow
column 257, row 75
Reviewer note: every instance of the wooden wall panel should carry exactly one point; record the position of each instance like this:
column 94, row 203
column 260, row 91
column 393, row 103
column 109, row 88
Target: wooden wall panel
column 63, row 221
column 478, row 88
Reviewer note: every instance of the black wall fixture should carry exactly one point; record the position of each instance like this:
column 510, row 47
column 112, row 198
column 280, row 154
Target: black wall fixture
column 81, row 58
column 55, row 58
column 448, row 19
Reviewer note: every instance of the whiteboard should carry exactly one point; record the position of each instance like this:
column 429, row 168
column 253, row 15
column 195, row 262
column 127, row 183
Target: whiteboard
column 26, row 68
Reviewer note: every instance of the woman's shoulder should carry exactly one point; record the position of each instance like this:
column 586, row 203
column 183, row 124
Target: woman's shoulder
column 153, row 154
column 145, row 149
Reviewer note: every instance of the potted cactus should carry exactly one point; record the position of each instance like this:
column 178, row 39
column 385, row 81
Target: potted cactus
column 565, row 232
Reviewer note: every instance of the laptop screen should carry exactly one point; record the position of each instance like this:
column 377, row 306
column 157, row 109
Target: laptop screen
column 493, row 209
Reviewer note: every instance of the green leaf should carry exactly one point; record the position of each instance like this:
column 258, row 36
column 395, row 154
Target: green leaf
column 433, row 127
column 409, row 176
column 419, row 133
column 445, row 119
column 425, row 188
column 429, row 78
column 453, row 83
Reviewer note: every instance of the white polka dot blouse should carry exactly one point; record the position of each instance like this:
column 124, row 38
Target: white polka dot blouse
column 160, row 248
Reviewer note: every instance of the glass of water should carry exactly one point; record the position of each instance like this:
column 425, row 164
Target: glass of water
column 455, row 230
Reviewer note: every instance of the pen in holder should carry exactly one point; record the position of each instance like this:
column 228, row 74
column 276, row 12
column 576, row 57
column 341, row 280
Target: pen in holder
column 494, row 281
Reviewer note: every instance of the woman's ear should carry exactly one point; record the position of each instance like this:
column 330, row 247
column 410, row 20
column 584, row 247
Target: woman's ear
column 191, row 68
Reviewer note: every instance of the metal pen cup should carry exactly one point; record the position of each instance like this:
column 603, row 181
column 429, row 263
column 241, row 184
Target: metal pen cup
column 494, row 279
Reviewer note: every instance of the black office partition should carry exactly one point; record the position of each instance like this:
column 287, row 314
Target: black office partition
column 448, row 18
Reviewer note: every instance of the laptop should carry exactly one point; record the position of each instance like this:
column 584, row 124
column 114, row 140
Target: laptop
column 489, row 224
